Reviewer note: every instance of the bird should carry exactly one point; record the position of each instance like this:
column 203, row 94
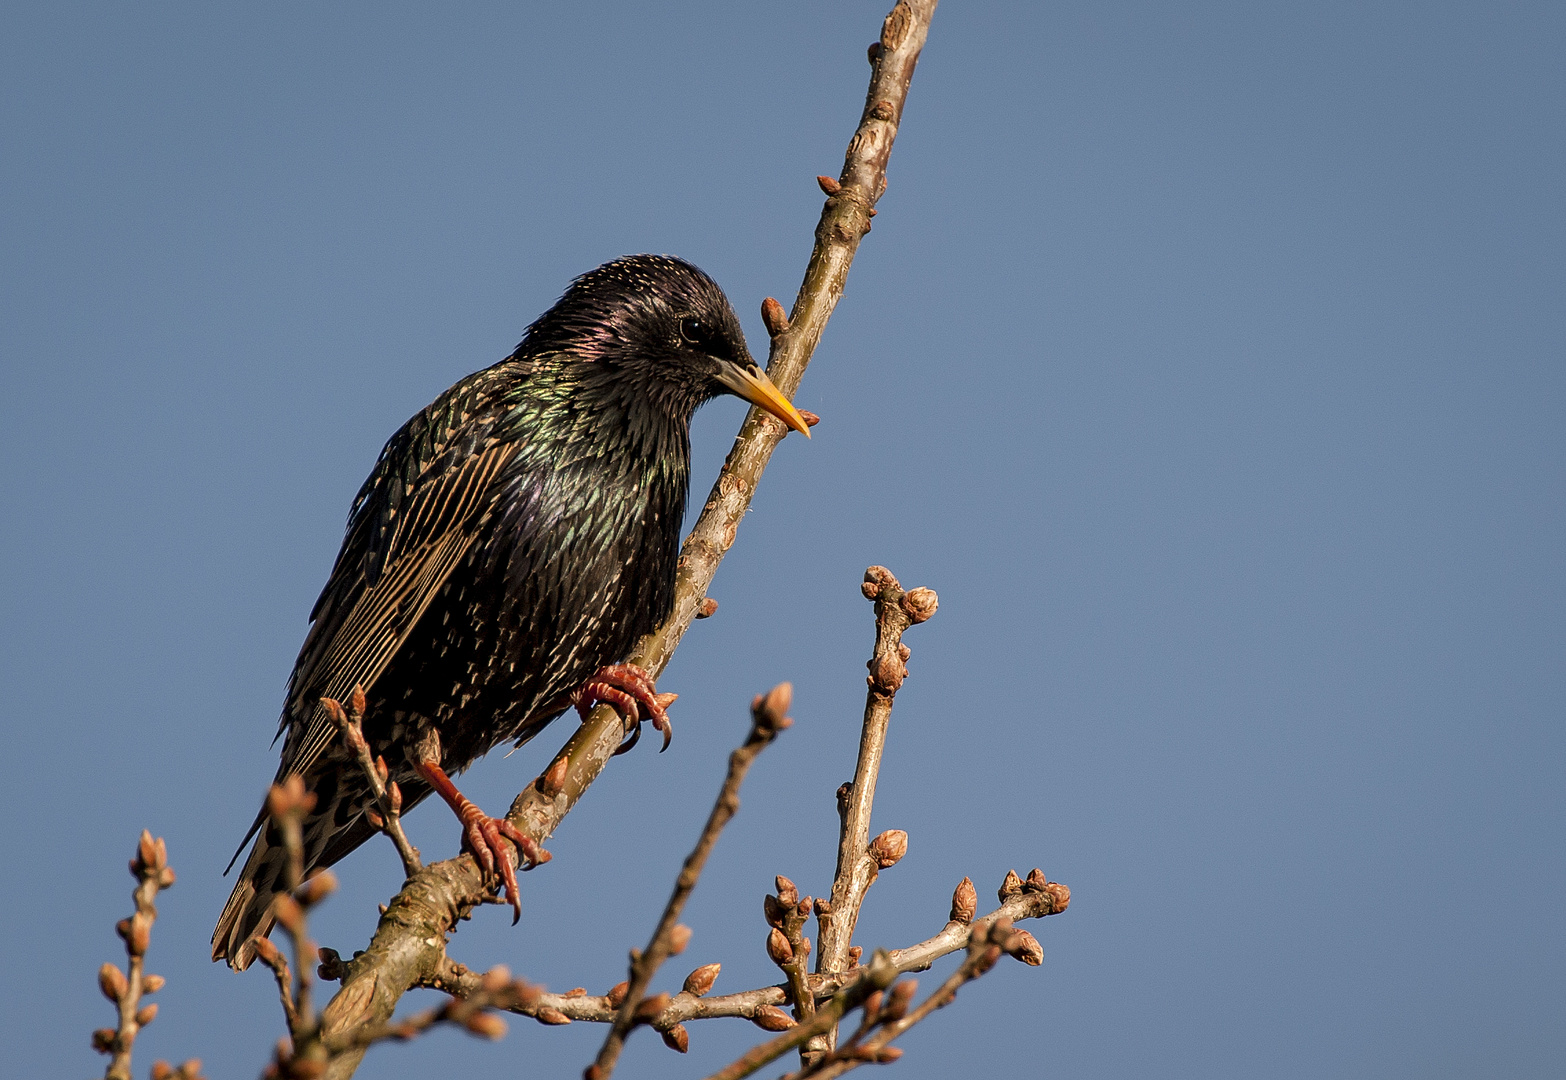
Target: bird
column 513, row 542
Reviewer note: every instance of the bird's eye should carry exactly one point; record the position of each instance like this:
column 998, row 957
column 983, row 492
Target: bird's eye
column 693, row 330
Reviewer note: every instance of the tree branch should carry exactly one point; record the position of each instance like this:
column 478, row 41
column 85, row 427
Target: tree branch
column 408, row 948
column 124, row 989
column 768, row 716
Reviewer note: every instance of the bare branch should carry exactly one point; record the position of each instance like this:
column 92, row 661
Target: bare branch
column 388, row 797
column 124, row 989
column 409, row 944
column 768, row 716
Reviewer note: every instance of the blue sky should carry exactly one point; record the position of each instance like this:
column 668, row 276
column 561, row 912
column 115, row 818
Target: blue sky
column 1207, row 359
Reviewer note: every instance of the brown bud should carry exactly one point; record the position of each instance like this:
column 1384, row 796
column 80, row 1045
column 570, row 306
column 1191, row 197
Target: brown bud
column 380, row 768
column 617, row 994
column 649, row 1007
column 166, row 877
column 845, row 791
column 146, row 1014
column 266, row 952
column 190, row 1070
column 289, row 915
column 679, row 938
column 889, row 848
column 805, row 907
column 771, row 709
column 771, row 1018
column 887, row 673
column 823, row 908
column 495, row 979
column 774, row 910
column 707, row 608
column 873, row 1005
column 829, row 185
column 331, row 966
column 788, row 894
column 888, row 1054
column 152, row 853
column 580, row 991
column 854, row 953
column 874, row 52
column 965, row 901
column 897, row 1001
column 162, row 1070
column 103, row 1040
column 920, row 604
column 1035, row 881
column 374, row 818
column 322, row 883
column 1025, row 947
column 778, row 947
column 810, row 418
column 1060, row 895
column 394, row 796
column 677, row 1038
column 774, row 317
column 111, row 980
column 151, row 984
column 700, row 981
column 486, row 1025
column 140, row 934
column 552, row 1016
column 356, row 702
column 1010, row 887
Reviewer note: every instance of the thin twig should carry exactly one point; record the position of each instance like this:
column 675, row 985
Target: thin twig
column 124, row 989
column 768, row 716
column 859, row 860
column 388, row 796
column 409, row 944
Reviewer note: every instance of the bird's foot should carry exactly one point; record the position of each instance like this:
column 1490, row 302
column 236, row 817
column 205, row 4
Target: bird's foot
column 484, row 836
column 629, row 690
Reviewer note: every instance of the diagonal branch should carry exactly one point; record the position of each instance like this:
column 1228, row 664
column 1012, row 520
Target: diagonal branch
column 409, row 945
column 768, row 715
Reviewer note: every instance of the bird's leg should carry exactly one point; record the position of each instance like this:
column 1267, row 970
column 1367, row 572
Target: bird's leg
column 481, row 834
column 625, row 687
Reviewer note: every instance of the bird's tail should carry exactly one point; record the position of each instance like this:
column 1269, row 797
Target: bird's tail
column 334, row 828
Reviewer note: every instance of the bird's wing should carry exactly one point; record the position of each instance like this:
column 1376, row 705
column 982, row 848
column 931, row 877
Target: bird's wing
column 403, row 541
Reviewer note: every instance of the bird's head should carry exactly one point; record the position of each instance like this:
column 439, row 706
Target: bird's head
column 662, row 326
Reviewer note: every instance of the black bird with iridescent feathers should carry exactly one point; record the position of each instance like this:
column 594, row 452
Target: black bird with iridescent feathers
column 515, row 540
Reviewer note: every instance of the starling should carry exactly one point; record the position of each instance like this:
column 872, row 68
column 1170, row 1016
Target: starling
column 513, row 542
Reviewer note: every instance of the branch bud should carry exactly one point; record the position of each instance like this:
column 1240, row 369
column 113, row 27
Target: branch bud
column 677, row 1038
column 356, row 702
column 778, row 947
column 774, row 910
column 1010, row 887
column 774, row 317
column 322, row 883
column 553, row 1017
column 707, row 608
column 770, row 711
column 1035, row 881
column 650, row 1007
column 888, row 1054
column 679, row 938
column 965, row 901
column 771, row 1018
column 151, row 984
column 146, row 1014
column 162, row 1070
column 1025, row 947
column 896, row 1006
column 111, row 980
column 553, row 781
column 829, row 185
column 1059, row 895
column 486, row 1025
column 920, row 604
column 788, row 894
column 266, row 951
column 617, row 994
column 495, row 979
column 103, row 1040
column 854, row 953
column 289, row 915
column 700, row 981
column 889, row 848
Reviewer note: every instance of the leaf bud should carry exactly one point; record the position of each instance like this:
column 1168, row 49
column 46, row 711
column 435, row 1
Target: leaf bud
column 1025, row 947
column 774, row 910
column 771, row 1018
column 486, row 1025
column 677, row 1038
column 920, row 604
column 788, row 895
column 649, row 1007
column 289, row 915
column 888, row 1054
column 151, row 984
column 679, row 938
column 700, row 981
column 103, row 1040
column 322, row 884
column 495, row 979
column 266, row 951
column 617, row 994
column 552, row 1016
column 778, row 947
column 1035, row 882
column 1010, row 887
column 146, row 1014
column 356, row 701
column 774, row 317
column 162, row 1070
column 889, row 848
column 965, row 901
column 111, row 980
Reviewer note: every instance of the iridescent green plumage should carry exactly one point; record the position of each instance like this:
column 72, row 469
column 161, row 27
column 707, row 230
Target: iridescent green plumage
column 515, row 536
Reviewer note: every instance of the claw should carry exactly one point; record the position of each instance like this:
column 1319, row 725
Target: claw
column 631, row 692
column 483, row 835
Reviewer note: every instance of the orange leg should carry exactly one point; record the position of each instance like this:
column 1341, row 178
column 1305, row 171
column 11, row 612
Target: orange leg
column 482, row 834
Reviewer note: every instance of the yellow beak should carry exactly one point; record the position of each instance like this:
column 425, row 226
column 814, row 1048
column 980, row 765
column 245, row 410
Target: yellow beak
column 752, row 384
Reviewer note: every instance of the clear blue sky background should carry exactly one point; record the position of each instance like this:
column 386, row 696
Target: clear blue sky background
column 1206, row 358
